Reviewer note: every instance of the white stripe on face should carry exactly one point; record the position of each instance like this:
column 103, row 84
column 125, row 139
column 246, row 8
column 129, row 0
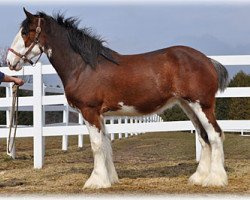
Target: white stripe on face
column 18, row 45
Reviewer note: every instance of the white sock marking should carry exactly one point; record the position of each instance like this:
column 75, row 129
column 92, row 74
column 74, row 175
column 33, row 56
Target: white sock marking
column 99, row 177
column 217, row 176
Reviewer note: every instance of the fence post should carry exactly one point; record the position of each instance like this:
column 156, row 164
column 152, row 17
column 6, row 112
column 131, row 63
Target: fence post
column 197, row 147
column 126, row 122
column 140, row 119
column 38, row 139
column 120, row 122
column 43, row 116
column 80, row 137
column 112, row 136
column 12, row 154
column 134, row 121
column 66, row 122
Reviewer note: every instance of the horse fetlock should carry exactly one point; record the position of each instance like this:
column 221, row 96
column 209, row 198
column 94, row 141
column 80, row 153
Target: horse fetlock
column 96, row 146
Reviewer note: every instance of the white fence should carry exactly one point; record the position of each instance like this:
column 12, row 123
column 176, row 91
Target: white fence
column 40, row 103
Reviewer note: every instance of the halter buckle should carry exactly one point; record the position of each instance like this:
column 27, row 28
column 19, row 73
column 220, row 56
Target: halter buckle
column 38, row 29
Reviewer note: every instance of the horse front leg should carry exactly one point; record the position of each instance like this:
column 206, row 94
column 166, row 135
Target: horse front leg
column 103, row 174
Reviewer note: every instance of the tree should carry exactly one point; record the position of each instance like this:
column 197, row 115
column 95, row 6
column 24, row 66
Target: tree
column 235, row 108
column 241, row 79
column 174, row 114
column 239, row 108
column 3, row 55
column 222, row 108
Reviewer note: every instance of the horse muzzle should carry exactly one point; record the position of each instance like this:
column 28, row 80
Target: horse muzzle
column 16, row 67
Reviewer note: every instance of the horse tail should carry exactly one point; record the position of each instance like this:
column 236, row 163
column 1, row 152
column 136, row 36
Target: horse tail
column 222, row 73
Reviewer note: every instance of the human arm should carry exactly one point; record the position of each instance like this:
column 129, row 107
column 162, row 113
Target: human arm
column 16, row 80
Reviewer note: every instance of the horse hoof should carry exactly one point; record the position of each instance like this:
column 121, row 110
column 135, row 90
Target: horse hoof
column 197, row 179
column 215, row 180
column 95, row 182
column 114, row 178
column 95, row 186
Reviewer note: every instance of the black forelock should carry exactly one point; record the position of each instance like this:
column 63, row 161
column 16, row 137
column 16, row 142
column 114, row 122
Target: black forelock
column 25, row 25
column 82, row 40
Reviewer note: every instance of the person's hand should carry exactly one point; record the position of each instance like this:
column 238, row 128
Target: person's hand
column 18, row 81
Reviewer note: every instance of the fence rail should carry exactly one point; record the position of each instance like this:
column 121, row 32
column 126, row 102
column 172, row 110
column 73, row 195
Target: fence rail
column 40, row 103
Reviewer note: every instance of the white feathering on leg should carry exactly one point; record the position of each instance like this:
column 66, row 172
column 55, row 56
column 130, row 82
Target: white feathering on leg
column 99, row 177
column 217, row 175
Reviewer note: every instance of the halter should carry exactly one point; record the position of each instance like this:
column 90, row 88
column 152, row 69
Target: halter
column 35, row 42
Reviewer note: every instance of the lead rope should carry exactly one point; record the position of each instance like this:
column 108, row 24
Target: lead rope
column 13, row 117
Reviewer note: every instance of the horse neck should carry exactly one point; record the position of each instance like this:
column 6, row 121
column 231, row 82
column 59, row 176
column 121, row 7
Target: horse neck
column 65, row 61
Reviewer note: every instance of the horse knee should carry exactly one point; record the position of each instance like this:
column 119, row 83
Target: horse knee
column 214, row 138
column 96, row 139
column 96, row 144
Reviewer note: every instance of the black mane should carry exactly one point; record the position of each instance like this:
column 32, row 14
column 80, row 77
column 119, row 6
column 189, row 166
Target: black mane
column 82, row 40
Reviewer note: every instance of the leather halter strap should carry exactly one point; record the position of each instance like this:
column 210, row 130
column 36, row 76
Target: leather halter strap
column 35, row 42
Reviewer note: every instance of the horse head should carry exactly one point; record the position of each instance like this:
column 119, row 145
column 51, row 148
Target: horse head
column 28, row 43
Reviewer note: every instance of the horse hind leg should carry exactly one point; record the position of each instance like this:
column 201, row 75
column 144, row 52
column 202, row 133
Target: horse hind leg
column 217, row 175
column 203, row 168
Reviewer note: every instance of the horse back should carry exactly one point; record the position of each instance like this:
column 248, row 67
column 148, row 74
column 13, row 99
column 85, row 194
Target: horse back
column 180, row 72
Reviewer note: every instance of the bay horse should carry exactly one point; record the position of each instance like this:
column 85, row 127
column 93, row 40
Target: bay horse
column 99, row 82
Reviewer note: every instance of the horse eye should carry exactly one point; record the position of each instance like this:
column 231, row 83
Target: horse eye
column 24, row 33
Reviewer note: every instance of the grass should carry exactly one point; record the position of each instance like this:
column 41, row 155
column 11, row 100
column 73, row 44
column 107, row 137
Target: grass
column 146, row 164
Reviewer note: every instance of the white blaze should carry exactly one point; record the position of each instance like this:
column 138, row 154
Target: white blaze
column 19, row 46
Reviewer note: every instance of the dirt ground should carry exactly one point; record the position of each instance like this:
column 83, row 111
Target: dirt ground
column 158, row 163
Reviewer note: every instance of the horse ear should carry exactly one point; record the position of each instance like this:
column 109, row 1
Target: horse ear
column 28, row 14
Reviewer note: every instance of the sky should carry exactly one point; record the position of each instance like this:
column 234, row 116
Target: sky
column 129, row 27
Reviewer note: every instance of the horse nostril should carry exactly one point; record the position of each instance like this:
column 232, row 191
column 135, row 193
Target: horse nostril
column 9, row 65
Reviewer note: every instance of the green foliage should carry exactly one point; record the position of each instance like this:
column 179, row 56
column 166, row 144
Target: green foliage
column 25, row 93
column 221, row 108
column 25, row 118
column 2, row 92
column 3, row 55
column 2, row 113
column 2, row 117
column 239, row 108
column 174, row 114
column 53, row 117
column 241, row 79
